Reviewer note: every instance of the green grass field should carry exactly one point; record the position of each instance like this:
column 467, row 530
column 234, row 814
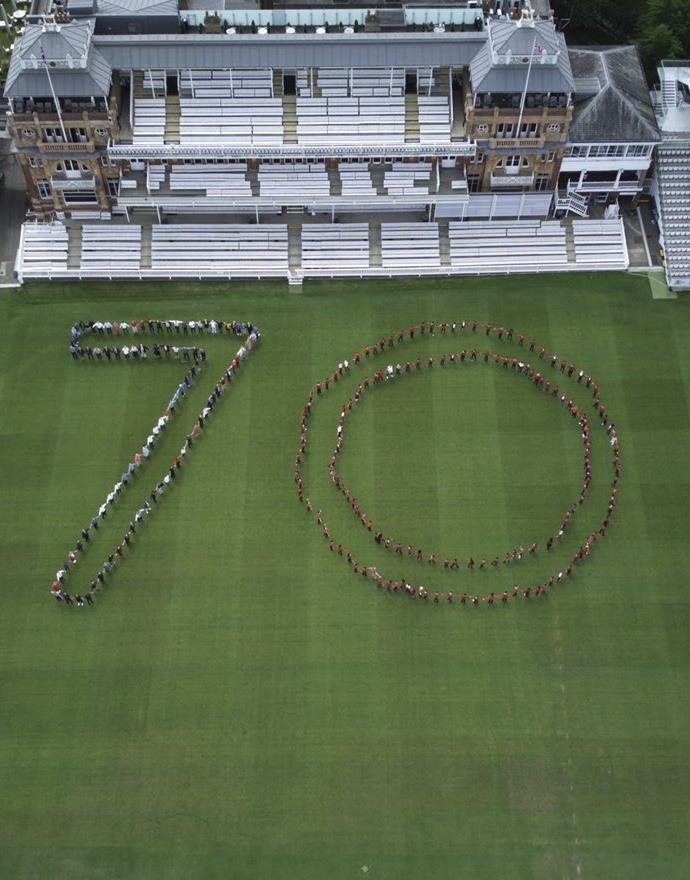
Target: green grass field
column 238, row 704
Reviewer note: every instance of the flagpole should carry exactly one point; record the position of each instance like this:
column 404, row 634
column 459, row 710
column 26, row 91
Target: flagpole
column 524, row 91
column 55, row 98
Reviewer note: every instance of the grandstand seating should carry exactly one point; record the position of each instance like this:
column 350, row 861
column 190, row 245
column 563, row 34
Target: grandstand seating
column 110, row 247
column 519, row 245
column 673, row 176
column 235, row 249
column 214, row 179
column 155, row 175
column 407, row 178
column 356, row 181
column 351, row 120
column 434, row 118
column 256, row 83
column 148, row 125
column 229, row 106
column 44, row 248
column 336, row 246
column 600, row 243
column 409, row 245
column 293, row 181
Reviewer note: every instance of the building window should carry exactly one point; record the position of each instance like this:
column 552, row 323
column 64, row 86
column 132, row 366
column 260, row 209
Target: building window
column 53, row 135
column 553, row 127
column 637, row 150
column 32, row 162
column 473, row 183
column 72, row 165
column 79, row 197
column 77, row 135
column 542, row 182
column 529, row 130
column 113, row 188
column 43, row 187
column 576, row 152
column 504, row 130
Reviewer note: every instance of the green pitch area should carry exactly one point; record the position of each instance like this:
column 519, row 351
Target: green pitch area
column 239, row 704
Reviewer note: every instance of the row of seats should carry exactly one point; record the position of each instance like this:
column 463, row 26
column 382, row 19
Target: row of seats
column 226, row 83
column 44, row 247
column 362, row 81
column 356, row 182
column 220, row 247
column 600, row 242
column 110, row 246
column 350, row 119
column 399, row 182
column 231, row 120
column 335, row 245
column 215, row 180
column 294, row 181
column 155, row 176
column 434, row 119
column 409, row 245
column 477, row 246
column 148, row 125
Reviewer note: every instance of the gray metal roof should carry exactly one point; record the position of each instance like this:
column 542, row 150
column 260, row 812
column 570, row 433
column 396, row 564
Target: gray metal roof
column 128, row 8
column 77, row 69
column 288, row 51
column 502, row 64
column 621, row 110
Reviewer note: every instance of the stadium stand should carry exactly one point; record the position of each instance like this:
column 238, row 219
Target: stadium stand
column 673, row 176
column 409, row 245
column 342, row 247
column 110, row 247
column 235, row 249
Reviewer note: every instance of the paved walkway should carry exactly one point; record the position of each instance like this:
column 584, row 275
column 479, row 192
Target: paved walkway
column 12, row 214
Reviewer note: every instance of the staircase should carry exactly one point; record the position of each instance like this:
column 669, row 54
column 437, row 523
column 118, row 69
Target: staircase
column 443, row 242
column 253, row 178
column 335, row 181
column 146, row 236
column 411, row 119
column 375, row 261
column 669, row 94
column 171, row 134
column 138, row 85
column 441, row 84
column 73, row 245
column 378, row 174
column 289, row 119
column 569, row 242
column 573, row 201
column 294, row 246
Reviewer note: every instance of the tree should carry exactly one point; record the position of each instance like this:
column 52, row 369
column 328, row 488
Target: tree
column 664, row 32
column 675, row 14
column 660, row 42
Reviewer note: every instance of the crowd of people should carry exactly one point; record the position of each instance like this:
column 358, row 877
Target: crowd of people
column 196, row 355
column 474, row 354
